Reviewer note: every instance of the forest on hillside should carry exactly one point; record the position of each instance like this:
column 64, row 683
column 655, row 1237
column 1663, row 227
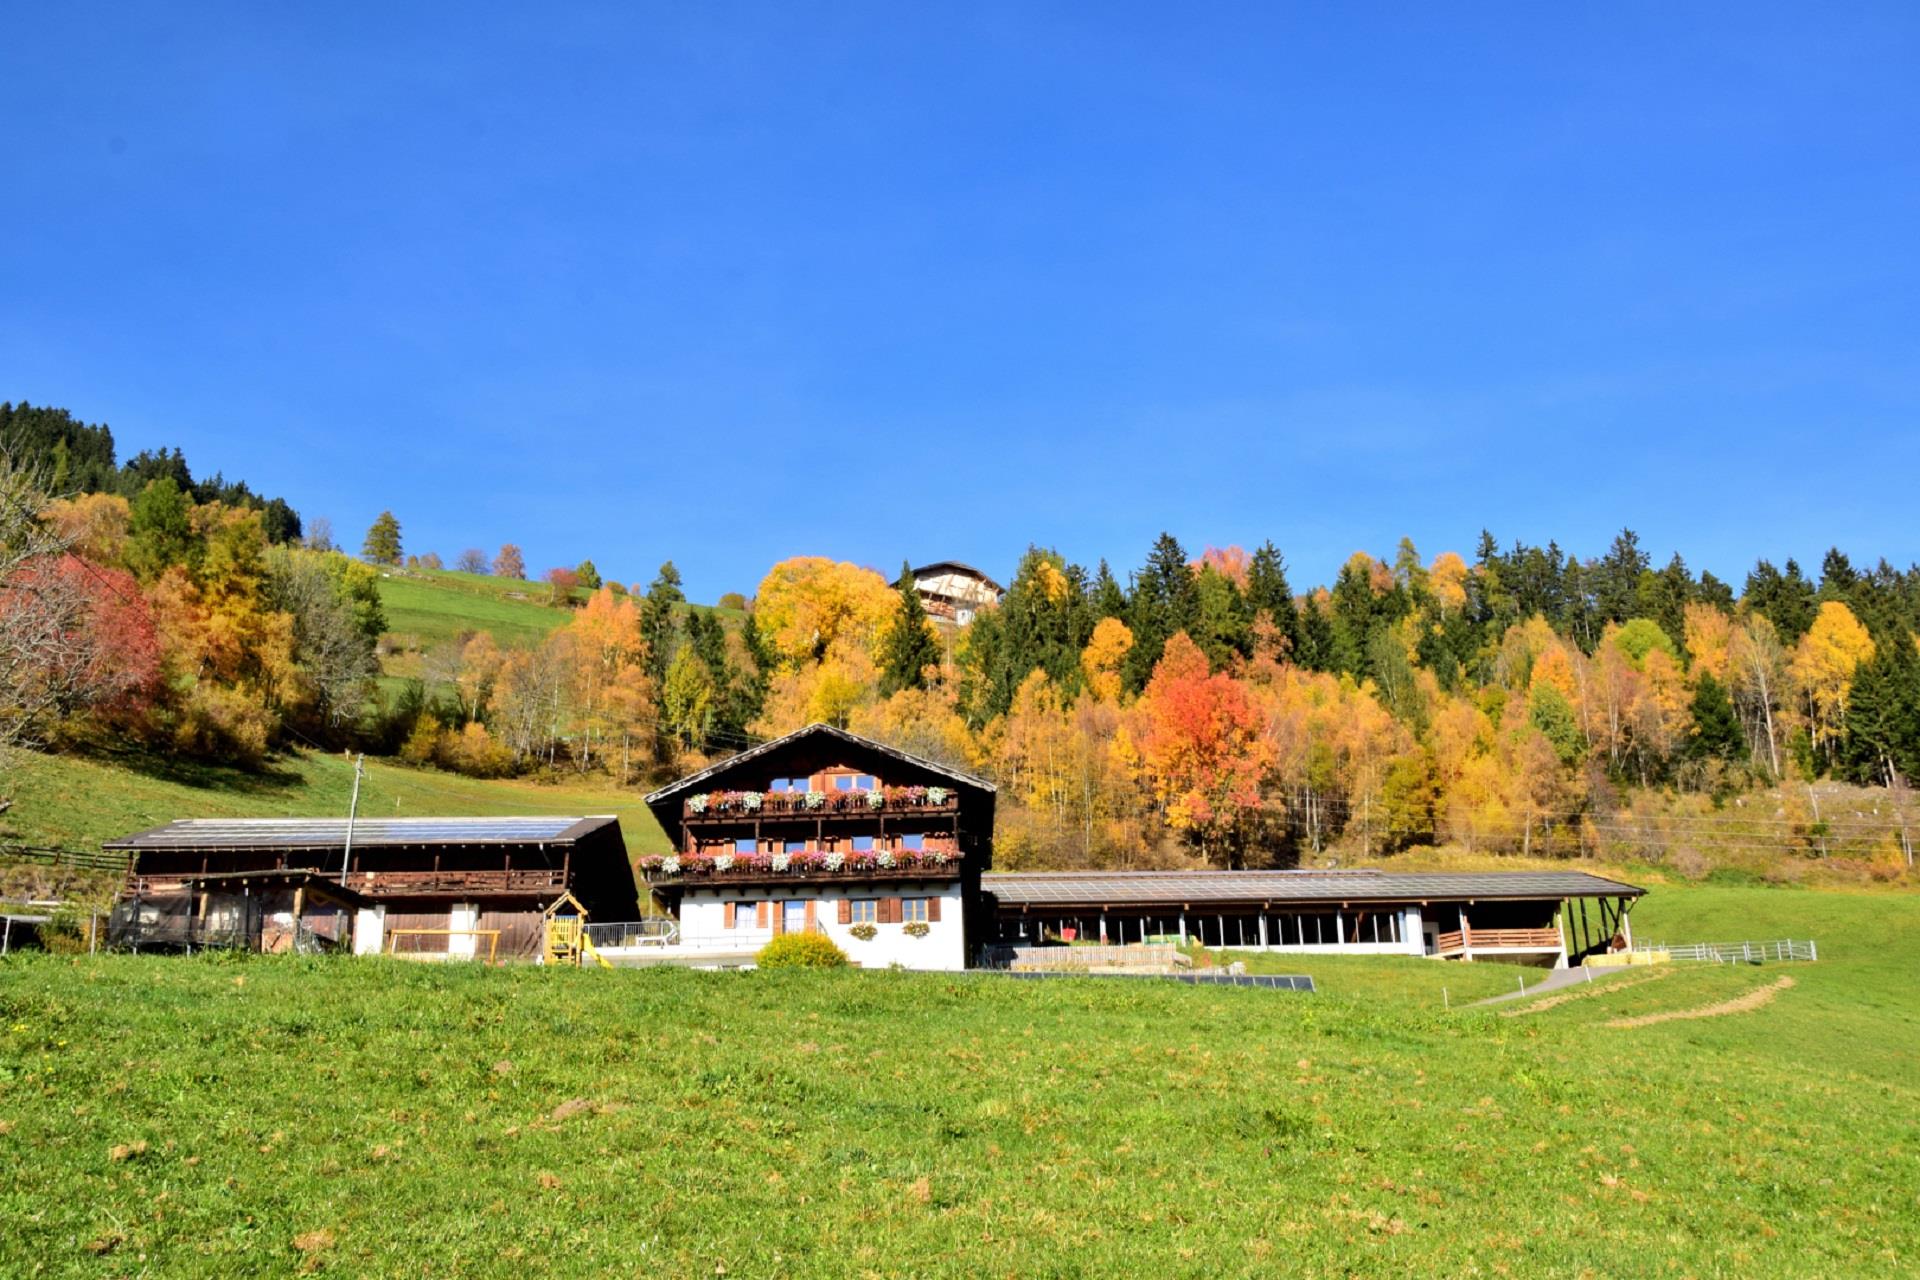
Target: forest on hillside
column 1202, row 711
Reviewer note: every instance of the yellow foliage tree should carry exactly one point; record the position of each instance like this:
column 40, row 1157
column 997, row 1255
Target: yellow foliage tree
column 809, row 604
column 1106, row 650
column 1823, row 666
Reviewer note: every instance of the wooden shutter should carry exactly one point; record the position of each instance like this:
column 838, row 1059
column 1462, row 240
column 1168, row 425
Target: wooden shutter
column 889, row 911
column 779, row 912
column 760, row 914
column 846, row 911
column 933, row 910
column 728, row 915
column 813, row 915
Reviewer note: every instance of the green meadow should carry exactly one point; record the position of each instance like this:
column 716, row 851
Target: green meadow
column 266, row 1115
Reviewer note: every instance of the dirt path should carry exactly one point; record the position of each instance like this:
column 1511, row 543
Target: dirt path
column 1589, row 991
column 1755, row 999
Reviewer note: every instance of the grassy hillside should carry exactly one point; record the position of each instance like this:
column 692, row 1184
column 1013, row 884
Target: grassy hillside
column 75, row 803
column 198, row 1117
column 431, row 608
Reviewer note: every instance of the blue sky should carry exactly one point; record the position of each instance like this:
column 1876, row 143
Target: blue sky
column 726, row 283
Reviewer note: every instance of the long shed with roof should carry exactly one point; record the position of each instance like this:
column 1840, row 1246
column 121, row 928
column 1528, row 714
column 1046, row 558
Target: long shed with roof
column 1541, row 917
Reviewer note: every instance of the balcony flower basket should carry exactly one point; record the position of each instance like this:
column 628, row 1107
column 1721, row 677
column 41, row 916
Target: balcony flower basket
column 815, row 799
column 936, row 795
column 751, row 801
column 918, row 929
column 885, row 858
column 723, row 863
column 876, row 799
column 781, row 861
column 669, row 866
column 864, row 932
column 697, row 804
column 833, row 861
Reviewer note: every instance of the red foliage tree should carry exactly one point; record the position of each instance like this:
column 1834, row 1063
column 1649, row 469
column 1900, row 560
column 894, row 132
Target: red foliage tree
column 1202, row 747
column 76, row 636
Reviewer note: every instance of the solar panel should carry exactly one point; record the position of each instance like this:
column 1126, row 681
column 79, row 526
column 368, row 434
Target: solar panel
column 1262, row 981
column 214, row 833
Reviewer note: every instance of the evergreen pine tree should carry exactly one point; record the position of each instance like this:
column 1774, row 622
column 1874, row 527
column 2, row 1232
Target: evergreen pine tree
column 1269, row 594
column 1716, row 727
column 660, row 621
column 910, row 646
column 383, row 541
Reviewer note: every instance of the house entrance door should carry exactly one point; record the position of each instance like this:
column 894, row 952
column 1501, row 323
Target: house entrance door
column 793, row 917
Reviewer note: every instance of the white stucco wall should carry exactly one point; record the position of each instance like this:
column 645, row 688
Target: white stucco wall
column 703, row 922
column 369, row 931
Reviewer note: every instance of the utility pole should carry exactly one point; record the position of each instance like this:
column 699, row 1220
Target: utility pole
column 353, row 809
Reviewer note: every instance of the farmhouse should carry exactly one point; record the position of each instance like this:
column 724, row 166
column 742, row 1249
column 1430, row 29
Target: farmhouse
column 1530, row 917
column 823, row 829
column 953, row 592
column 455, row 887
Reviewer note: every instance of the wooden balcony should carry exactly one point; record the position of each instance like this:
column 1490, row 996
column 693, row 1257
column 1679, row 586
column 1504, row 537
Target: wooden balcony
column 701, row 869
column 1499, row 939
column 734, row 808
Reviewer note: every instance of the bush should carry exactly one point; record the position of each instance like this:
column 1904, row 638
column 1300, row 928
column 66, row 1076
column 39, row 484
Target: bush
column 801, row 951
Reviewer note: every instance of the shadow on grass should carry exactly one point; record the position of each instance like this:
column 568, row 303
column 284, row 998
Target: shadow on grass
column 271, row 778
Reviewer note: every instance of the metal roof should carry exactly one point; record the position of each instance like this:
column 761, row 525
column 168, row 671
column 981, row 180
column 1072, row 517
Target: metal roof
column 331, row 833
column 751, row 753
column 1178, row 888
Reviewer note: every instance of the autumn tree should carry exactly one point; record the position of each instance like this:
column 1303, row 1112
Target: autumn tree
column 510, row 563
column 1202, row 748
column 473, row 560
column 1822, row 669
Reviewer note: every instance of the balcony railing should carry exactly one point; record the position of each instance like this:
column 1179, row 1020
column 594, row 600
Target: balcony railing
column 738, row 806
column 787, row 867
column 1530, row 939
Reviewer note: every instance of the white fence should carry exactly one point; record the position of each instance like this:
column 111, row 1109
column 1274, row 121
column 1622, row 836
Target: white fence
column 659, row 931
column 1736, row 952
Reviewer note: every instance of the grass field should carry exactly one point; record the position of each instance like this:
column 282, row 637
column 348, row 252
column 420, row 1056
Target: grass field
column 434, row 607
column 74, row 802
column 200, row 1117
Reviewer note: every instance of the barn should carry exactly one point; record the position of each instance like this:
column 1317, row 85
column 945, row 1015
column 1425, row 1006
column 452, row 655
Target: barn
column 446, row 887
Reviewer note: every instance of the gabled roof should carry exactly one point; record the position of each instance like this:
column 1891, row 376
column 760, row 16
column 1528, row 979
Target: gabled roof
column 693, row 780
column 954, row 566
column 1176, row 888
column 368, row 833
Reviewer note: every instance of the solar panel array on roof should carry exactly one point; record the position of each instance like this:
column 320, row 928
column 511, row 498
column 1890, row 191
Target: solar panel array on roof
column 1175, row 888
column 310, row 833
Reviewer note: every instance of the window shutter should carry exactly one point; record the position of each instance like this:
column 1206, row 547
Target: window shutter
column 728, row 914
column 760, row 915
column 933, row 910
column 779, row 913
column 890, row 911
column 846, row 911
column 813, row 915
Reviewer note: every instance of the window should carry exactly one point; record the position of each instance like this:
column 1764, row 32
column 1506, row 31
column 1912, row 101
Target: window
column 788, row 784
column 745, row 914
column 863, row 844
column 843, row 782
column 796, row 846
column 914, row 841
column 866, row 911
column 913, row 910
column 865, row 782
column 746, row 844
